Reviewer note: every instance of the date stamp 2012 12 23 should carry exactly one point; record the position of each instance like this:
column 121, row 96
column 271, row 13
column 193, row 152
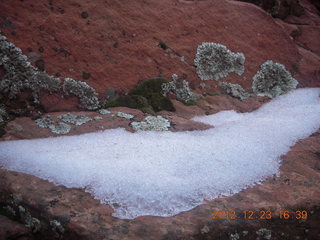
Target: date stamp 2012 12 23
column 259, row 214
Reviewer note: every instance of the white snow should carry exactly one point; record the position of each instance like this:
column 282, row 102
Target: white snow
column 165, row 173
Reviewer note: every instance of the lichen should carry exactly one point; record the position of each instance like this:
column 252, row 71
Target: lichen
column 57, row 128
column 57, row 227
column 181, row 90
column 273, row 80
column 265, row 233
column 214, row 61
column 3, row 115
column 44, row 122
column 20, row 74
column 73, row 119
column 104, row 111
column 125, row 115
column 97, row 118
column 152, row 123
column 87, row 95
column 3, row 120
column 60, row 128
column 234, row 90
column 234, row 236
column 29, row 221
column 205, row 229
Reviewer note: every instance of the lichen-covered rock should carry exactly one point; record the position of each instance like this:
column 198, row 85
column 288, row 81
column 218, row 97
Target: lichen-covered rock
column 20, row 74
column 57, row 128
column 273, row 80
column 44, row 122
column 103, row 111
column 234, row 90
column 60, row 128
column 125, row 115
column 73, row 119
column 3, row 115
column 265, row 233
column 87, row 95
column 181, row 89
column 214, row 61
column 30, row 222
column 57, row 227
column 152, row 123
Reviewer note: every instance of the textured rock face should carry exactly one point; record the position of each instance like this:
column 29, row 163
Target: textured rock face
column 118, row 45
column 279, row 8
column 13, row 230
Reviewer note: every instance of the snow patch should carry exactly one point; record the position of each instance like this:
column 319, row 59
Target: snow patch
column 165, row 173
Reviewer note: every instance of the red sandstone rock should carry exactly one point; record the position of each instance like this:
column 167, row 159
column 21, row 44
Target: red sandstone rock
column 118, row 44
column 13, row 230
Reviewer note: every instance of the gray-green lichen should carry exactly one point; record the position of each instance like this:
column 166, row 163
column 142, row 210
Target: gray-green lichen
column 152, row 123
column 125, row 115
column 272, row 80
column 60, row 128
column 234, row 90
column 214, row 61
column 87, row 95
column 104, row 111
column 265, row 233
column 234, row 236
column 181, row 89
column 57, row 227
column 20, row 74
column 3, row 115
column 205, row 229
column 97, row 118
column 73, row 119
column 29, row 221
column 57, row 128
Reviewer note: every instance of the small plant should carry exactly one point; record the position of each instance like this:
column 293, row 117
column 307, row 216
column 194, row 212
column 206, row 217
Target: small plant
column 234, row 90
column 151, row 89
column 146, row 96
column 131, row 101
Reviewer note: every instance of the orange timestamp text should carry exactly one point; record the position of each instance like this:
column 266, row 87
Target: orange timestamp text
column 259, row 214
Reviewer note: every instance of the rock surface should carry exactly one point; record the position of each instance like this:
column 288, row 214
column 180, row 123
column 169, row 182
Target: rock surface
column 118, row 45
column 12, row 230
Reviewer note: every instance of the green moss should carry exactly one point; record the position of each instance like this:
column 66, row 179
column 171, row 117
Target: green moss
column 151, row 89
column 147, row 96
column 147, row 87
column 131, row 101
column 159, row 102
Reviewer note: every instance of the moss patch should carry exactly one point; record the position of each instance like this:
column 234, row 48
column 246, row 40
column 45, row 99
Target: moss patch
column 146, row 96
